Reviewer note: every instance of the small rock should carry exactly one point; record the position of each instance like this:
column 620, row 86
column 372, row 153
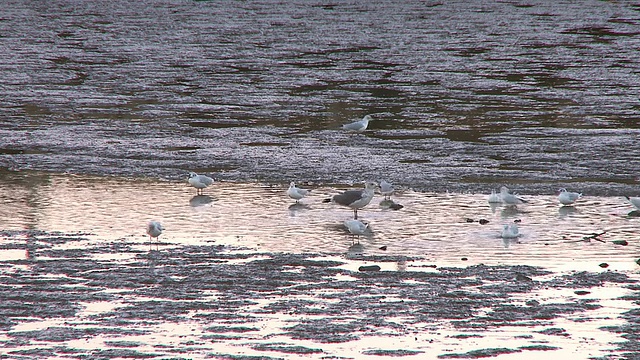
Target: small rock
column 469, row 220
column 383, row 247
column 464, row 259
column 483, row 221
column 369, row 268
column 621, row 242
column 604, row 265
column 533, row 303
column 582, row 292
column 638, row 261
column 517, row 221
column 521, row 277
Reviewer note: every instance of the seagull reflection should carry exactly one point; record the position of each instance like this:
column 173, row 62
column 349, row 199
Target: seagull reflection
column 200, row 200
column 567, row 210
column 295, row 207
column 355, row 249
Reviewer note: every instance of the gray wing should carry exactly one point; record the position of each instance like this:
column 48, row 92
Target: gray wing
column 348, row 197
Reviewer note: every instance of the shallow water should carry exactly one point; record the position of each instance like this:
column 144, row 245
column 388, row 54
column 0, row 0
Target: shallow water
column 130, row 300
column 464, row 94
column 262, row 218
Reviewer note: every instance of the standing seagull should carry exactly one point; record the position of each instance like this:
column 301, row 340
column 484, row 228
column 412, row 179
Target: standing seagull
column 386, row 189
column 509, row 198
column 154, row 229
column 199, row 182
column 510, row 231
column 356, row 227
column 355, row 199
column 296, row 193
column 635, row 201
column 567, row 197
column 494, row 198
column 358, row 126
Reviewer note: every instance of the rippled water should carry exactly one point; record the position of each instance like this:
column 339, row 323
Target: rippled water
column 466, row 96
column 262, row 218
column 463, row 93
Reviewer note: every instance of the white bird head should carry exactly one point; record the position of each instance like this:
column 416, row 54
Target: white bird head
column 192, row 175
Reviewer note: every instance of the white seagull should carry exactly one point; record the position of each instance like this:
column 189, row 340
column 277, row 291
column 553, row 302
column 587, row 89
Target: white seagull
column 510, row 231
column 360, row 125
column 199, row 182
column 635, row 201
column 355, row 199
column 494, row 198
column 296, row 193
column 356, row 227
column 154, row 229
column 509, row 198
column 567, row 197
column 386, row 189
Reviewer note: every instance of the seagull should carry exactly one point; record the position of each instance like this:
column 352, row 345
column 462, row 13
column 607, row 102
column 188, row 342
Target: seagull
column 358, row 126
column 510, row 231
column 154, row 229
column 635, row 201
column 509, row 198
column 567, row 197
column 494, row 198
column 355, row 199
column 356, row 227
column 386, row 189
column 296, row 193
column 199, row 182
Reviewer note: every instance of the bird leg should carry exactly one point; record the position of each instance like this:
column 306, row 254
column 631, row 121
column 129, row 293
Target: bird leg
column 355, row 214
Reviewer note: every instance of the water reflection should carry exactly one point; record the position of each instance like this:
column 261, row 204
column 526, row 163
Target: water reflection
column 259, row 217
column 200, row 200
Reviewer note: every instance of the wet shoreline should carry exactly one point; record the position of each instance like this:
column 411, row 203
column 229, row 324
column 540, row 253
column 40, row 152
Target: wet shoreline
column 230, row 299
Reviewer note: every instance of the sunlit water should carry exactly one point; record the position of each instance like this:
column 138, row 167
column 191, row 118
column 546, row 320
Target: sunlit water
column 432, row 228
column 262, row 218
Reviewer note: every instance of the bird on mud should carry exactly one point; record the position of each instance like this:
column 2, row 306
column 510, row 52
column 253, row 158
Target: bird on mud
column 358, row 126
column 355, row 199
column 200, row 182
column 296, row 193
column 567, row 197
column 509, row 198
column 154, row 229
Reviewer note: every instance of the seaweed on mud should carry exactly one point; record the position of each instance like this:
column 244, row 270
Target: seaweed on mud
column 554, row 331
column 392, row 353
column 219, row 356
column 232, row 329
column 483, row 353
column 60, row 334
column 117, row 353
column 538, row 347
column 324, row 330
column 585, row 279
column 285, row 348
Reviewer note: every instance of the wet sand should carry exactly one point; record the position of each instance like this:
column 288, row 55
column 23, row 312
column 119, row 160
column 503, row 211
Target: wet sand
column 80, row 278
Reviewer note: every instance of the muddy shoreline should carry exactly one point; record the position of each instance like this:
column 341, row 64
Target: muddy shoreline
column 227, row 295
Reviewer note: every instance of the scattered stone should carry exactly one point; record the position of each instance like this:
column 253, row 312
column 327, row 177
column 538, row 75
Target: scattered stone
column 621, row 242
column 604, row 265
column 582, row 292
column 554, row 331
column 465, row 259
column 369, row 268
column 483, row 221
column 383, row 247
column 517, row 221
column 469, row 220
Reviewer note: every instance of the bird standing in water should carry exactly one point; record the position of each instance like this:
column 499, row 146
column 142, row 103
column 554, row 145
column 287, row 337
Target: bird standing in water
column 154, row 229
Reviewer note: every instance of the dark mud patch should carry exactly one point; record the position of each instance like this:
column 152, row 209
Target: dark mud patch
column 477, row 354
column 227, row 296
